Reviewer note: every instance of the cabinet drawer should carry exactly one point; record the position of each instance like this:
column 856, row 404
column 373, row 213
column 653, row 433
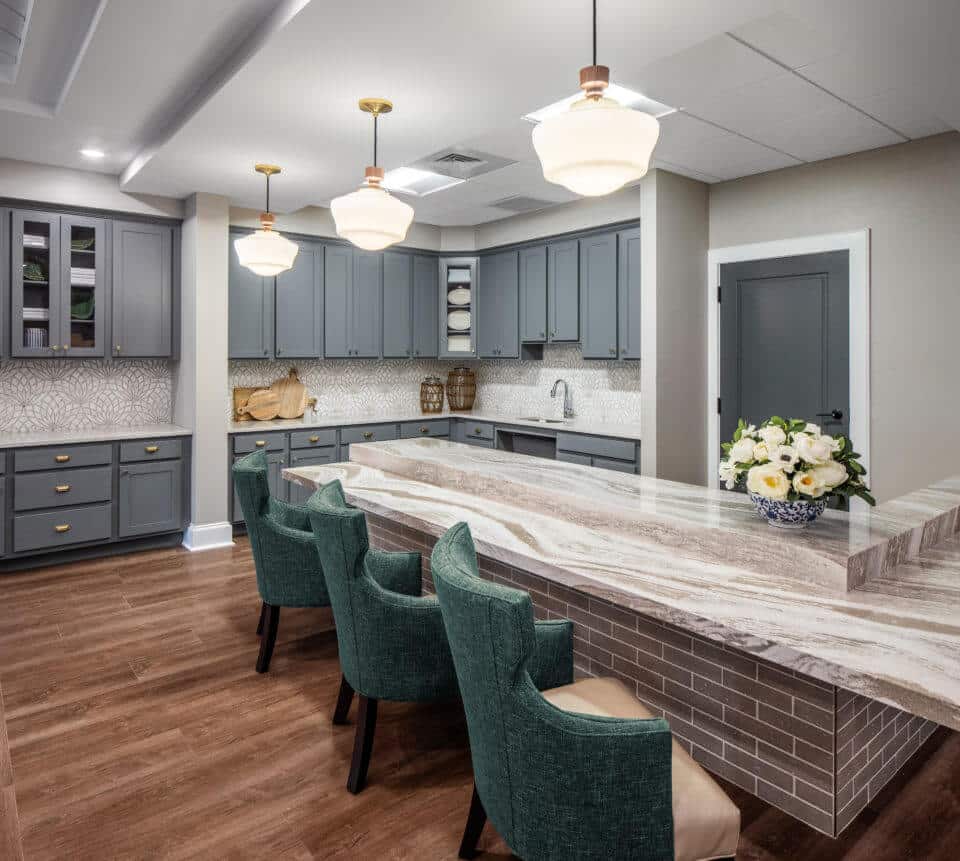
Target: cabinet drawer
column 313, row 438
column 571, row 457
column 616, row 465
column 619, row 449
column 409, row 430
column 477, row 430
column 62, row 457
column 368, row 433
column 312, row 457
column 479, row 443
column 150, row 449
column 63, row 487
column 245, row 443
column 51, row 529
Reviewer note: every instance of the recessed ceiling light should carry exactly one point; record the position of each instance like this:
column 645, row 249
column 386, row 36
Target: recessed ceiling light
column 92, row 153
column 627, row 98
column 412, row 180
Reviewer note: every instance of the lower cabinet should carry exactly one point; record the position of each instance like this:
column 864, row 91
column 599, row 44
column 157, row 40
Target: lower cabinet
column 313, row 457
column 151, row 498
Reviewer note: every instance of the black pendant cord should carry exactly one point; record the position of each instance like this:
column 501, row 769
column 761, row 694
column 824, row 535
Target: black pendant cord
column 594, row 32
column 268, row 192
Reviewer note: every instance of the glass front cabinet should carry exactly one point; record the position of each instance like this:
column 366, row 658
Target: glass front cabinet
column 458, row 307
column 58, row 285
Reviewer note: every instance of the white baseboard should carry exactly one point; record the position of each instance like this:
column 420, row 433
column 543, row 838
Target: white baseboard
column 207, row 536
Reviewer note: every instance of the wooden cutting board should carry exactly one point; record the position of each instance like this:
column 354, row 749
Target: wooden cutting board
column 263, row 405
column 292, row 395
column 240, row 396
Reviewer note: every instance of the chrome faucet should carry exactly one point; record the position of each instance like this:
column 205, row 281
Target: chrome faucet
column 567, row 400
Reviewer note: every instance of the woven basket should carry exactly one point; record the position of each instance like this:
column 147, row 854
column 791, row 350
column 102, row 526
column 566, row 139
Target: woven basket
column 461, row 389
column 431, row 395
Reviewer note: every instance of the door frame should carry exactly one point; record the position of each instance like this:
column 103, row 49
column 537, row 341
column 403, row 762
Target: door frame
column 857, row 243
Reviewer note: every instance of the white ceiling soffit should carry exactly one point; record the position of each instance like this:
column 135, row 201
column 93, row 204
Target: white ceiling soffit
column 14, row 20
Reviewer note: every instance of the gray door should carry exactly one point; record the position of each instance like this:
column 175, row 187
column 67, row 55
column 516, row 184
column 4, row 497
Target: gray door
column 366, row 305
column 299, row 306
column 142, row 290
column 508, row 298
column 598, row 296
column 151, row 498
column 250, row 310
column 628, row 294
column 487, row 317
column 298, row 493
column 784, row 341
column 533, row 295
column 426, row 334
column 397, row 305
column 337, row 291
column 83, row 286
column 35, row 301
column 563, row 291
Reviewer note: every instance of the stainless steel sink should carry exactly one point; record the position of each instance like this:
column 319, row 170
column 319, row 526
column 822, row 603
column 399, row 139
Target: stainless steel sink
column 542, row 421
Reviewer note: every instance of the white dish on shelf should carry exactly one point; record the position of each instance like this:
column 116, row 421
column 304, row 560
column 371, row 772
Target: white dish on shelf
column 458, row 344
column 458, row 276
column 458, row 320
column 459, row 296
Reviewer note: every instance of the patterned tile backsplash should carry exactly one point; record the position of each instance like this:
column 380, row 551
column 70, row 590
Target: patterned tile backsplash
column 67, row 394
column 607, row 391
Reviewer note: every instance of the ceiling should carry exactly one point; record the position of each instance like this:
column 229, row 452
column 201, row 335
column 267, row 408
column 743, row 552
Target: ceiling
column 186, row 96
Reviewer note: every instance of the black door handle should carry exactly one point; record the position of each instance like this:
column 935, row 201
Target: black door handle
column 836, row 415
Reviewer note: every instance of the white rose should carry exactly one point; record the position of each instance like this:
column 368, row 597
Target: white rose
column 742, row 451
column 728, row 474
column 772, row 436
column 761, row 452
column 831, row 474
column 833, row 443
column 749, row 430
column 808, row 484
column 812, row 429
column 768, row 480
column 813, row 449
column 785, row 457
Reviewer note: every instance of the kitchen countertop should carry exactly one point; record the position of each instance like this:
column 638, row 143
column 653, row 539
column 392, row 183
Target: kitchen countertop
column 895, row 638
column 596, row 427
column 21, row 439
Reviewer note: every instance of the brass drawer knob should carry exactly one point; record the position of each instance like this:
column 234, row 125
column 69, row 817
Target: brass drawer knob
column 63, row 527
column 151, row 449
column 478, row 430
column 368, row 434
column 314, row 439
column 62, row 488
column 260, row 443
column 424, row 429
column 62, row 458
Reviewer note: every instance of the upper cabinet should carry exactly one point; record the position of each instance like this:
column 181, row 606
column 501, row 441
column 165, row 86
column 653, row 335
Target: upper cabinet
column 563, row 291
column 298, row 305
column 458, row 307
column 142, row 290
column 533, row 295
column 498, row 300
column 426, row 333
column 628, row 293
column 352, row 303
column 409, row 306
column 250, row 312
column 598, row 296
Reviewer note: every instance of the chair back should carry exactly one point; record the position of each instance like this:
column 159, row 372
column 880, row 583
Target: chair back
column 253, row 491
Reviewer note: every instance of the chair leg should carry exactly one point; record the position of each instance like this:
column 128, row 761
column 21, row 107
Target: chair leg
column 362, row 744
column 476, row 819
column 343, row 702
column 269, row 638
column 263, row 617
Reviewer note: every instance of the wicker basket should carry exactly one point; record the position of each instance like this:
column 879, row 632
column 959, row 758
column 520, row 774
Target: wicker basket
column 431, row 395
column 461, row 389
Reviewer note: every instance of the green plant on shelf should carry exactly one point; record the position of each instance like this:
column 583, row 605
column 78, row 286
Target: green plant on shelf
column 82, row 244
column 82, row 310
column 33, row 271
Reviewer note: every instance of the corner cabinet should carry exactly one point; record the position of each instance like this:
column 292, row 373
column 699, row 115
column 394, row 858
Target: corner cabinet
column 458, row 306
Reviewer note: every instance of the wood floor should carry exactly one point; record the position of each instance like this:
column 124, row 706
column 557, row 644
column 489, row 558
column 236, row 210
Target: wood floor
column 133, row 725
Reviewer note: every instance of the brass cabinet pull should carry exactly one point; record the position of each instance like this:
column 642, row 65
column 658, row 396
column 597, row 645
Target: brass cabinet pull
column 314, row 439
column 368, row 434
column 62, row 458
column 117, row 349
column 260, row 443
column 63, row 527
column 424, row 429
column 66, row 347
column 478, row 430
column 62, row 488
column 55, row 348
column 151, row 449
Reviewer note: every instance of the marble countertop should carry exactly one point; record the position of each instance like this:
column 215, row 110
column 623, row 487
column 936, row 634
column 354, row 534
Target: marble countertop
column 21, row 439
column 896, row 638
column 619, row 430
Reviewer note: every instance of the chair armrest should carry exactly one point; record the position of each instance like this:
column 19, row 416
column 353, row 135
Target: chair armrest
column 552, row 665
column 289, row 573
column 395, row 572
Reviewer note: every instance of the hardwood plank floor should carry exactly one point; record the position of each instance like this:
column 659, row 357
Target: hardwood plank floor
column 133, row 725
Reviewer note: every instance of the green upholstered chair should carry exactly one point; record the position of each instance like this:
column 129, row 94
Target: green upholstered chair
column 392, row 641
column 284, row 552
column 580, row 771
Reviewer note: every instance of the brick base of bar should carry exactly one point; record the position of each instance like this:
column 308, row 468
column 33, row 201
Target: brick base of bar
column 816, row 751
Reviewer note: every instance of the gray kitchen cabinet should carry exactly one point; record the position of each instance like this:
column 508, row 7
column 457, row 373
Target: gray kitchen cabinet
column 367, row 306
column 598, row 296
column 318, row 457
column 426, row 334
column 498, row 334
column 563, row 291
column 338, row 293
column 276, row 462
column 458, row 277
column 4, row 289
column 398, row 305
column 628, row 294
column 352, row 304
column 533, row 295
column 151, row 498
column 3, row 515
column 250, row 311
column 142, row 290
column 83, row 301
column 35, row 306
column 298, row 305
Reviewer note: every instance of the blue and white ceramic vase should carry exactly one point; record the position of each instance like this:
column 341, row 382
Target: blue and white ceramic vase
column 788, row 515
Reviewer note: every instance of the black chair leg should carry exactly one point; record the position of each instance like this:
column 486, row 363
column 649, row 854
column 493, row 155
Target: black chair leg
column 343, row 702
column 362, row 744
column 263, row 617
column 476, row 819
column 269, row 638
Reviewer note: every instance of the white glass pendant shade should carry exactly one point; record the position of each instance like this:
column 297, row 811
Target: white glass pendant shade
column 266, row 252
column 371, row 218
column 596, row 147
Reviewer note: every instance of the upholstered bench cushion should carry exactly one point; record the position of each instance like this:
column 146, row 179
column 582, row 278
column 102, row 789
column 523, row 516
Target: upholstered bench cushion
column 706, row 824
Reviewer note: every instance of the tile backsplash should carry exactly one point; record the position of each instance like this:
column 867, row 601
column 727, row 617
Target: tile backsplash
column 607, row 391
column 63, row 394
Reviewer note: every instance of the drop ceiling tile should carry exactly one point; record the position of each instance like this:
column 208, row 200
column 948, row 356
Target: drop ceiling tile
column 792, row 41
column 513, row 141
column 903, row 113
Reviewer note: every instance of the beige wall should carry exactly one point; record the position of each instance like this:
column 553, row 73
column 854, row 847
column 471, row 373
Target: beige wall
column 909, row 198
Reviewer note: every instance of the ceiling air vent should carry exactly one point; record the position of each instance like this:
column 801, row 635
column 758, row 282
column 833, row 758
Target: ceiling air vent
column 461, row 162
column 458, row 158
column 521, row 203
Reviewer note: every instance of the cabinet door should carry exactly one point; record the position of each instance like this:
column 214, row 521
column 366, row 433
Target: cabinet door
column 299, row 306
column 4, row 285
column 508, row 300
column 35, row 300
column 276, row 463
column 250, row 311
column 367, row 305
column 151, row 498
column 598, row 296
column 83, row 286
column 486, row 318
column 533, row 295
column 563, row 291
column 3, row 519
column 426, row 333
column 397, row 305
column 142, row 290
column 337, row 291
column 298, row 493
column 628, row 294
column 458, row 292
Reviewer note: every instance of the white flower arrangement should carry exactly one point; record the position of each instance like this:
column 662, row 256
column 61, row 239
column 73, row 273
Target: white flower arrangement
column 792, row 460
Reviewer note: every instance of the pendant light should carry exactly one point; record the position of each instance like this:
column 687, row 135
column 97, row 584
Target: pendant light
column 597, row 145
column 370, row 217
column 265, row 252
